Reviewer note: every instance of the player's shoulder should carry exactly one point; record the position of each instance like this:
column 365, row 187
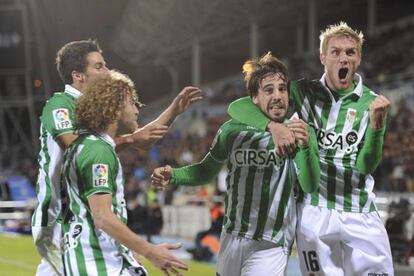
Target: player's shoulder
column 235, row 126
column 94, row 146
column 59, row 100
column 368, row 92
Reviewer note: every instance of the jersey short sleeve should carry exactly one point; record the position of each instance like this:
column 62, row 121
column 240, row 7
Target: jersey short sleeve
column 97, row 168
column 58, row 115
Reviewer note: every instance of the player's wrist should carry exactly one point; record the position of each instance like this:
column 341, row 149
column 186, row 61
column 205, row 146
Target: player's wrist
column 272, row 125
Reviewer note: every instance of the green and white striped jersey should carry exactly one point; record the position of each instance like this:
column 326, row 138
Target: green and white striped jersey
column 340, row 129
column 259, row 202
column 91, row 166
column 57, row 118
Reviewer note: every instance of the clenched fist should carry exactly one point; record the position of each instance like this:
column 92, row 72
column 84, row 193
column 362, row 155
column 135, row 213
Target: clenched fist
column 378, row 110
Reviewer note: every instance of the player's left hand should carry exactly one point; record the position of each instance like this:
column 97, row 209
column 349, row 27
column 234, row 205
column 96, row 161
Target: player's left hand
column 378, row 110
column 185, row 98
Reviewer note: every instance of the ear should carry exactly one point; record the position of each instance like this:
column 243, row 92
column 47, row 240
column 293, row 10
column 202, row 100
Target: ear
column 77, row 76
column 322, row 57
column 255, row 100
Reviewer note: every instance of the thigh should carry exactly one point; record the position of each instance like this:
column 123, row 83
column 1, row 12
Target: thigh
column 318, row 241
column 229, row 260
column 366, row 245
column 265, row 259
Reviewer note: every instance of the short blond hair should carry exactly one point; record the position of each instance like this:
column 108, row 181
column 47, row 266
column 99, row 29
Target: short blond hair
column 102, row 100
column 338, row 30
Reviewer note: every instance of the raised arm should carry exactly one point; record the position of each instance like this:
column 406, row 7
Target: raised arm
column 370, row 154
column 144, row 137
column 307, row 156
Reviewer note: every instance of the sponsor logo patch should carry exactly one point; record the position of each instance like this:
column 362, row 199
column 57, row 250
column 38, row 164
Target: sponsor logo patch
column 61, row 118
column 100, row 175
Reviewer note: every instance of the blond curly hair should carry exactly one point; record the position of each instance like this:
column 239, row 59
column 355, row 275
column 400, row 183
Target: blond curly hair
column 102, row 100
column 338, row 30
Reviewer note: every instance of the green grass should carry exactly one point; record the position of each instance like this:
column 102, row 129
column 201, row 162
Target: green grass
column 18, row 256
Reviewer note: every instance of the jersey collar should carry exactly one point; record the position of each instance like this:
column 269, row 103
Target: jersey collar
column 72, row 91
column 358, row 88
column 108, row 139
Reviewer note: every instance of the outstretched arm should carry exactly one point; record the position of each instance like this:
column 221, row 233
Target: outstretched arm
column 193, row 175
column 144, row 137
column 181, row 103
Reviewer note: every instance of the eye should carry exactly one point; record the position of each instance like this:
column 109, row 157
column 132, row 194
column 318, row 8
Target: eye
column 335, row 52
column 351, row 52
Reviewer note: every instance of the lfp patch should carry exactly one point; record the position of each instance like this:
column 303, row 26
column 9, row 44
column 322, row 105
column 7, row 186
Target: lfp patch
column 100, row 175
column 61, row 118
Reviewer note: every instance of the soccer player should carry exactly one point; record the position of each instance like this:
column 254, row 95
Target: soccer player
column 77, row 62
column 96, row 240
column 260, row 213
column 339, row 231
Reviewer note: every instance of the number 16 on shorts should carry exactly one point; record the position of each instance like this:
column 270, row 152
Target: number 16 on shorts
column 311, row 261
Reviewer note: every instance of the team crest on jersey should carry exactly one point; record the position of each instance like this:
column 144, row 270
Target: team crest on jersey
column 61, row 118
column 351, row 115
column 100, row 175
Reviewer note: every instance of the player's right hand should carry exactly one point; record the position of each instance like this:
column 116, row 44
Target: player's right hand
column 160, row 178
column 283, row 138
column 161, row 257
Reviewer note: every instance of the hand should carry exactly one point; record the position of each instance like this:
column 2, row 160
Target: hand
column 185, row 98
column 160, row 178
column 378, row 110
column 161, row 257
column 300, row 130
column 283, row 138
column 147, row 135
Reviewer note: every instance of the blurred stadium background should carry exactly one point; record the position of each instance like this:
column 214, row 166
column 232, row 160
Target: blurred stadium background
column 165, row 45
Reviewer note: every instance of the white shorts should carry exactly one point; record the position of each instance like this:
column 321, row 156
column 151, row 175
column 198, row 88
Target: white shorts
column 47, row 241
column 245, row 257
column 336, row 243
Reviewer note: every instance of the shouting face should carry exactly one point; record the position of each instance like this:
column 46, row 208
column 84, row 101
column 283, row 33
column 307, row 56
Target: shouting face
column 272, row 97
column 341, row 60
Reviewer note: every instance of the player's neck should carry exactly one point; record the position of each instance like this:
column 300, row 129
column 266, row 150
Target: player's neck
column 112, row 130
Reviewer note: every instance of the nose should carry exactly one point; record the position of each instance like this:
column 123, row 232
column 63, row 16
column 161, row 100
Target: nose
column 343, row 57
